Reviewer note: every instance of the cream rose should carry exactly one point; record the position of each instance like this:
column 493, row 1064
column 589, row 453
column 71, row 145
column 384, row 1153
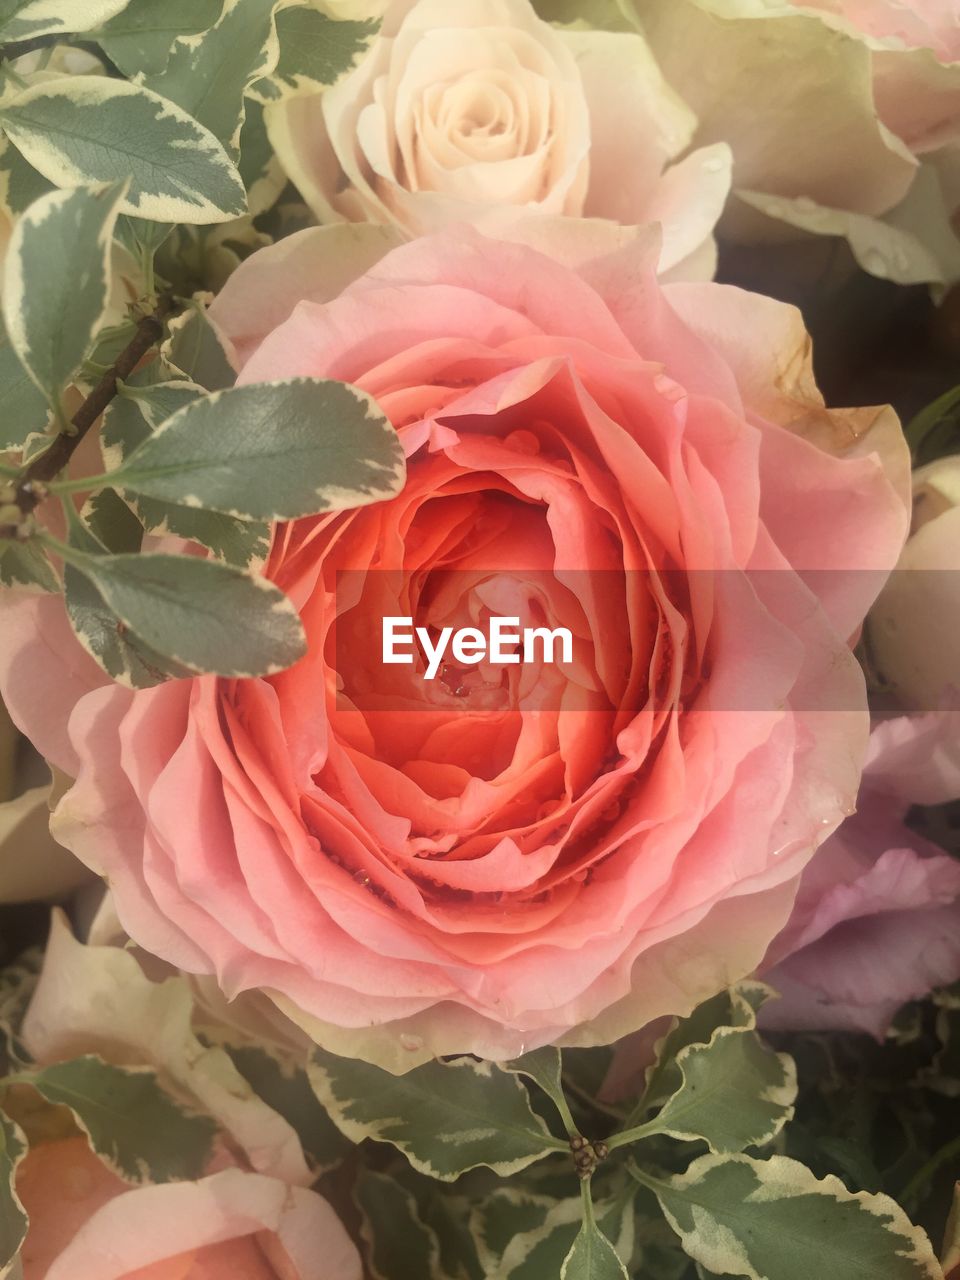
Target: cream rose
column 481, row 112
column 915, row 624
column 843, row 117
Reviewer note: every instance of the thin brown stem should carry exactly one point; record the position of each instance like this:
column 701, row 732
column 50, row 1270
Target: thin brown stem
column 30, row 488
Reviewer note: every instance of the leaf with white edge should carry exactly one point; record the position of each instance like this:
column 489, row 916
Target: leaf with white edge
column 100, row 997
column 735, row 1093
column 25, row 408
column 123, row 655
column 773, row 1220
column 186, row 610
column 592, row 1257
column 130, row 420
column 315, row 51
column 24, row 565
column 23, row 19
column 140, row 39
column 137, row 412
column 261, row 171
column 284, row 1087
column 195, row 348
column 271, row 451
column 84, row 129
column 545, row 1067
column 139, row 237
column 132, row 1123
column 56, row 281
column 446, row 1117
column 20, row 184
column 736, row 1007
column 448, row 1217
column 504, row 1215
column 398, row 1243
column 208, row 74
column 112, row 522
column 13, row 1219
column 544, row 1250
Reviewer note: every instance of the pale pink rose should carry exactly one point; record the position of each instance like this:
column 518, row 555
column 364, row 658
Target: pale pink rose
column 919, row 24
column 489, row 864
column 479, row 111
column 877, row 918
column 87, row 1224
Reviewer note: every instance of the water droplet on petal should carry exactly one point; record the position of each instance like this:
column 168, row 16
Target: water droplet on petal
column 716, row 164
column 412, row 1044
column 522, row 442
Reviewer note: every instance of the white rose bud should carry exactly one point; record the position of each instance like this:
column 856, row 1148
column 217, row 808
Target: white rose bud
column 915, row 625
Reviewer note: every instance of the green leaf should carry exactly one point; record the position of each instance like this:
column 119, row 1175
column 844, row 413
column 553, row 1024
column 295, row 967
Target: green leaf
column 935, row 431
column 543, row 1249
column 84, row 129
column 773, row 1220
column 285, row 1088
column 509, row 1213
column 207, row 75
column 186, row 610
column 315, row 51
column 399, row 1244
column 141, row 238
column 25, row 408
column 195, row 349
column 545, row 1067
column 446, row 1117
column 261, row 171
column 130, row 420
column 23, row 564
column 736, row 1007
column 592, row 1257
column 112, row 522
column 137, row 411
column 132, row 1123
column 22, row 19
column 140, row 39
column 13, row 1219
column 734, row 1093
column 123, row 655
column 20, row 184
column 271, row 451
column 56, row 282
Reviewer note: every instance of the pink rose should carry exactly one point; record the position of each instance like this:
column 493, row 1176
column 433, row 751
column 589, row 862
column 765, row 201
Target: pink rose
column 479, row 111
column 921, row 24
column 877, row 918
column 488, row 864
column 87, row 1224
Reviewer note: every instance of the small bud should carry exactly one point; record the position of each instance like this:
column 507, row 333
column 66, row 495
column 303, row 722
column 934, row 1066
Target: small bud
column 577, row 1142
column 601, row 1150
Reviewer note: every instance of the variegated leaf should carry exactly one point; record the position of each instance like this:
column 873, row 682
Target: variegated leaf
column 83, row 129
